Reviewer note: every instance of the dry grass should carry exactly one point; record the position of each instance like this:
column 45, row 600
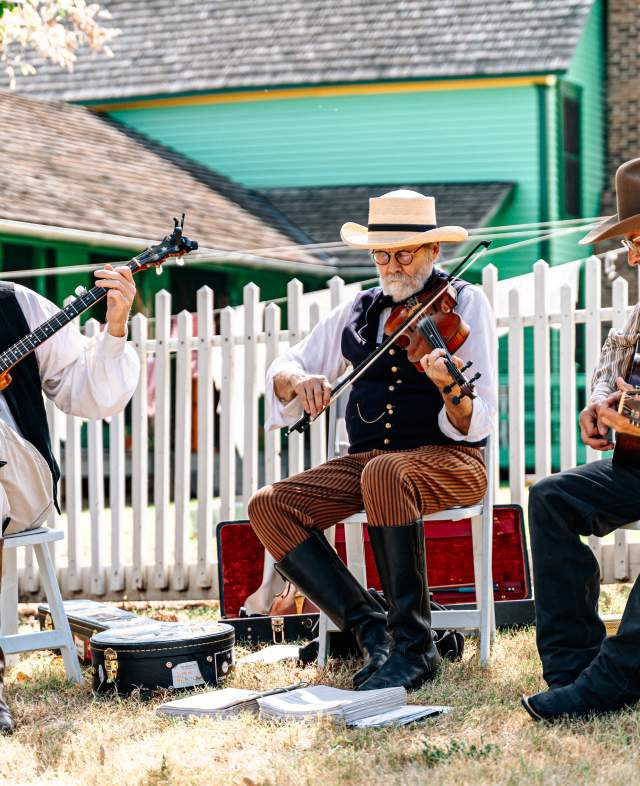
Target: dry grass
column 67, row 736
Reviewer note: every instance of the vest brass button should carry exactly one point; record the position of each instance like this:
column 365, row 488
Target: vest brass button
column 394, row 369
column 391, row 388
column 392, row 352
column 398, row 382
column 387, row 425
column 386, row 441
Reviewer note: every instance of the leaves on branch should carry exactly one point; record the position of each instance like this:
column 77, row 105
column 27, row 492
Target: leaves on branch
column 51, row 30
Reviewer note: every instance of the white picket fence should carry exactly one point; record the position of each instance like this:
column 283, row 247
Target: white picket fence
column 159, row 541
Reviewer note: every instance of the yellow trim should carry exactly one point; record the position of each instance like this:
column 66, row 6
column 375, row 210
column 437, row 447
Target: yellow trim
column 276, row 94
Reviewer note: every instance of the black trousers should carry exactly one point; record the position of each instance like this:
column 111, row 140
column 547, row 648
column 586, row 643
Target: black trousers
column 594, row 499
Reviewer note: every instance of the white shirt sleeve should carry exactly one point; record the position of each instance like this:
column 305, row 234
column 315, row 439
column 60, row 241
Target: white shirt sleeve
column 89, row 377
column 317, row 353
column 480, row 347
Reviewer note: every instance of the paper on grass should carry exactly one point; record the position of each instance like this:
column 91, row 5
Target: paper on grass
column 221, row 703
column 339, row 705
column 400, row 717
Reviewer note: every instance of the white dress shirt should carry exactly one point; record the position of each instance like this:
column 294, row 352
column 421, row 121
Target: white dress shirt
column 89, row 377
column 320, row 353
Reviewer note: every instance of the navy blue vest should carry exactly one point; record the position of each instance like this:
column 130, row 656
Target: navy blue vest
column 392, row 406
column 24, row 394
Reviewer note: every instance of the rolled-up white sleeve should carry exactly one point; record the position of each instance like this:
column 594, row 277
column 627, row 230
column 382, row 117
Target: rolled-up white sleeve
column 88, row 377
column 480, row 348
column 317, row 353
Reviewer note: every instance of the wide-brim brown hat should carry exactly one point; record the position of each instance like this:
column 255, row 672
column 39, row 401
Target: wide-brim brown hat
column 627, row 219
column 400, row 218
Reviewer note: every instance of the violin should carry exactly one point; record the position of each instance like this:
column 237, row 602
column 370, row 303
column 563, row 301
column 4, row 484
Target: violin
column 440, row 328
column 428, row 330
column 173, row 245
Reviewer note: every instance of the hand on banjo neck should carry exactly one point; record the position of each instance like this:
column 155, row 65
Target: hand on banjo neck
column 173, row 245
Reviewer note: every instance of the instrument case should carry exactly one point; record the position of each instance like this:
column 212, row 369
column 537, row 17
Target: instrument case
column 449, row 571
column 165, row 655
column 87, row 617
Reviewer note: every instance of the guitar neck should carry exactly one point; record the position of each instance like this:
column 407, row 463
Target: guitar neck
column 25, row 346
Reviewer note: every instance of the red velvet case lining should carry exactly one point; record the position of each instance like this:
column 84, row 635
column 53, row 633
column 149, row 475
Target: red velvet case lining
column 449, row 560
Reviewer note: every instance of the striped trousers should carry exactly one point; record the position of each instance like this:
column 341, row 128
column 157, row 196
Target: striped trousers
column 393, row 488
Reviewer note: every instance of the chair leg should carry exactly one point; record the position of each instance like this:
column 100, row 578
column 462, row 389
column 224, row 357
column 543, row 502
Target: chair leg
column 9, row 599
column 9, row 594
column 60, row 621
column 482, row 542
column 323, row 640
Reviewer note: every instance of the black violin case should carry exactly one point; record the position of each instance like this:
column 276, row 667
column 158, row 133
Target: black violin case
column 168, row 655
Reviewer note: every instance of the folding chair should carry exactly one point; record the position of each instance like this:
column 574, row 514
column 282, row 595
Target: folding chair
column 60, row 637
column 480, row 619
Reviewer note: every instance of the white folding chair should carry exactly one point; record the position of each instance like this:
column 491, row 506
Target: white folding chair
column 60, row 637
column 480, row 619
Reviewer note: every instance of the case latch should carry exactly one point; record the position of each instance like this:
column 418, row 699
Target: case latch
column 277, row 629
column 111, row 664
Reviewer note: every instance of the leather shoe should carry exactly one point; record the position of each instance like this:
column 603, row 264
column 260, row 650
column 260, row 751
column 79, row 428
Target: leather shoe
column 566, row 703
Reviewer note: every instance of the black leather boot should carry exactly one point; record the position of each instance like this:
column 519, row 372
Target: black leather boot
column 400, row 559
column 315, row 568
column 6, row 721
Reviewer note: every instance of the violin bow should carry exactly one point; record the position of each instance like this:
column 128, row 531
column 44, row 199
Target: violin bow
column 303, row 423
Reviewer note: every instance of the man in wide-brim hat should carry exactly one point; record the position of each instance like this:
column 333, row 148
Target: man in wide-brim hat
column 587, row 672
column 412, row 449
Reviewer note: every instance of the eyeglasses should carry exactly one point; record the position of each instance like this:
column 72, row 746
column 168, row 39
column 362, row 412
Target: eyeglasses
column 402, row 256
column 631, row 245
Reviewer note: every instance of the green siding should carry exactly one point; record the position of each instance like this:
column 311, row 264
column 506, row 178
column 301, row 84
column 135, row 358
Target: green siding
column 439, row 136
column 587, row 73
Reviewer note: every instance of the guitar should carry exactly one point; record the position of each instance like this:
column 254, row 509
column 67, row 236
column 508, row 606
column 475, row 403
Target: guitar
column 173, row 245
column 627, row 448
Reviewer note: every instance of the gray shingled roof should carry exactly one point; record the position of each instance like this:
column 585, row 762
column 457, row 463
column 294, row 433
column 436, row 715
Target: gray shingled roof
column 320, row 211
column 176, row 46
column 63, row 165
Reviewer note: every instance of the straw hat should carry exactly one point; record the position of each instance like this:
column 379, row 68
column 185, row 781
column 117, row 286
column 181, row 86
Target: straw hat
column 627, row 219
column 400, row 218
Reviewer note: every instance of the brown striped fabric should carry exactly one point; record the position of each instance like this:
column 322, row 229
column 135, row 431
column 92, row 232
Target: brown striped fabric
column 394, row 489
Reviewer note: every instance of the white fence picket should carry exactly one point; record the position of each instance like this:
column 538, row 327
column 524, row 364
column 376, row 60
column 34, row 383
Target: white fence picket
column 95, row 470
column 54, row 519
column 251, row 302
column 567, row 378
column 162, row 438
column 593, row 344
column 117, row 501
column 272, row 450
column 206, row 327
column 182, row 451
column 318, row 429
column 516, row 400
column 542, row 376
column 620, row 295
column 294, row 325
column 489, row 287
column 140, row 457
column 227, row 402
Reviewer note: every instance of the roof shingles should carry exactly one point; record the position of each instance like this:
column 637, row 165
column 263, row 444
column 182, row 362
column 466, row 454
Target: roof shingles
column 178, row 46
column 63, row 165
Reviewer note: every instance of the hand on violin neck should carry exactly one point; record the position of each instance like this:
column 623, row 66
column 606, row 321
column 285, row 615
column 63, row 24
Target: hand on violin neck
column 435, row 367
column 459, row 410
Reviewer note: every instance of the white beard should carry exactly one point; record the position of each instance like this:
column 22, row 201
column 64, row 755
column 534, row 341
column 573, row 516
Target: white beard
column 400, row 286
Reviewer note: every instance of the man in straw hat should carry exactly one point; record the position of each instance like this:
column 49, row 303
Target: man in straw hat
column 412, row 450
column 587, row 672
